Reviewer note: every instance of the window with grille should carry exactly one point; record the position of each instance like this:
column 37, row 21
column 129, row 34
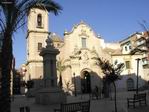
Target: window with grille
column 130, row 84
column 39, row 46
column 127, row 63
column 83, row 42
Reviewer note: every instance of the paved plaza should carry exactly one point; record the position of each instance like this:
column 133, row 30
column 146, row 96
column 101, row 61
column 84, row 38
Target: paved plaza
column 101, row 105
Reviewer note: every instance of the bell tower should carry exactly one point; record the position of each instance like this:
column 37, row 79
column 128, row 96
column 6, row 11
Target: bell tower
column 36, row 36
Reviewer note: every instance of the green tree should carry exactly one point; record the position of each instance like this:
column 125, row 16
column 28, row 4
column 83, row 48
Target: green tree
column 13, row 14
column 112, row 73
column 61, row 67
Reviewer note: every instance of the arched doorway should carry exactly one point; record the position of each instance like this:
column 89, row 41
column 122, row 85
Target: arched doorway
column 130, row 84
column 86, row 82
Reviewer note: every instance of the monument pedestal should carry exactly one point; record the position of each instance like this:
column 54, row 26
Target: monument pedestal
column 49, row 93
column 50, row 96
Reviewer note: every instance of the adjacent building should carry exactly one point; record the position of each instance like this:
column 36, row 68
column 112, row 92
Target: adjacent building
column 132, row 66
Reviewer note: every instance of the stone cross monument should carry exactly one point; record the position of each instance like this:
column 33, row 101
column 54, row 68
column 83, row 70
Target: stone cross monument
column 49, row 64
column 50, row 93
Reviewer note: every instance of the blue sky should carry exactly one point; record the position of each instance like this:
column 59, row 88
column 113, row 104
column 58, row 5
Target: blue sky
column 114, row 20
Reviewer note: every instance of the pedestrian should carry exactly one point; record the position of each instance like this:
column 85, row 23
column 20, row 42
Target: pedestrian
column 96, row 92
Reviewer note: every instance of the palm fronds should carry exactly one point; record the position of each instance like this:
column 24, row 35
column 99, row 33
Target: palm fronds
column 13, row 15
column 61, row 66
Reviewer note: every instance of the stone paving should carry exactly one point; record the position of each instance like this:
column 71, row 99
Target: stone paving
column 101, row 105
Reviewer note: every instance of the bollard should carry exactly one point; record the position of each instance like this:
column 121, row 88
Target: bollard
column 27, row 109
column 21, row 109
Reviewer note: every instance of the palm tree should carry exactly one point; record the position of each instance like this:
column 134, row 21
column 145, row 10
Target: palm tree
column 69, row 87
column 112, row 73
column 61, row 67
column 13, row 16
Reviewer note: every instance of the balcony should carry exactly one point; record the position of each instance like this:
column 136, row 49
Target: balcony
column 140, row 42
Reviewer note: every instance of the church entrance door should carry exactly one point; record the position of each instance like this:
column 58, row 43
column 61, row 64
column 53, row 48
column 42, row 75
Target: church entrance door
column 86, row 82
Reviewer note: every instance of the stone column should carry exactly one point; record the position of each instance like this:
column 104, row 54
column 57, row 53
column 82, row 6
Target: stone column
column 49, row 64
column 50, row 93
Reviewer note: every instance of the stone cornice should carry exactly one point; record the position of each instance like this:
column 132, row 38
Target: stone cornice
column 33, row 31
column 125, row 54
column 76, row 26
column 87, row 49
column 32, row 61
column 75, row 57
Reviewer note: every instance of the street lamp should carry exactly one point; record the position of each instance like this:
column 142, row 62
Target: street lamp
column 74, row 84
column 138, row 59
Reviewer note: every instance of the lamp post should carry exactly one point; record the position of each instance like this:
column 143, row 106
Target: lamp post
column 74, row 84
column 138, row 59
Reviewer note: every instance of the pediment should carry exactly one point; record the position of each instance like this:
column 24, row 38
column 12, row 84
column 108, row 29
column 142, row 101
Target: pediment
column 82, row 28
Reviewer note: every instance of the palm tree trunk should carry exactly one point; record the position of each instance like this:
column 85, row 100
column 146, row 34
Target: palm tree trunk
column 115, row 97
column 6, row 57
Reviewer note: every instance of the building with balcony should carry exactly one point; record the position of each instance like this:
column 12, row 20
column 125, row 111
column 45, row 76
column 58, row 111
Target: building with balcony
column 136, row 40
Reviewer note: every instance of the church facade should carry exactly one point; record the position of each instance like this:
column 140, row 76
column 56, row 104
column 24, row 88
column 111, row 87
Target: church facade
column 77, row 50
column 79, row 47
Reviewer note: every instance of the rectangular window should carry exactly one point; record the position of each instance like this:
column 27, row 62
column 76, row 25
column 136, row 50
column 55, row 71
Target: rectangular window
column 83, row 42
column 125, row 48
column 39, row 46
column 129, row 47
column 127, row 63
